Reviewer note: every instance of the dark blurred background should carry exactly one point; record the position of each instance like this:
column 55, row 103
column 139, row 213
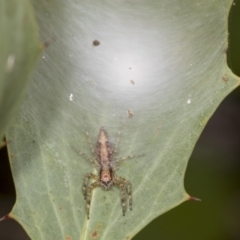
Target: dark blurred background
column 213, row 174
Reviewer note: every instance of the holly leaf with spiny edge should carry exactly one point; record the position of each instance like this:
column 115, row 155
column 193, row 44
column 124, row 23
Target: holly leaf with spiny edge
column 156, row 75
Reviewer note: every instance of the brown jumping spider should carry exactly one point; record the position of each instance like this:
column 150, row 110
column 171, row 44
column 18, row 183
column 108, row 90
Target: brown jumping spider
column 106, row 164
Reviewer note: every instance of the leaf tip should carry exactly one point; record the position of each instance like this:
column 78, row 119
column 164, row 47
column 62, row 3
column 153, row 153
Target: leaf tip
column 8, row 216
column 190, row 198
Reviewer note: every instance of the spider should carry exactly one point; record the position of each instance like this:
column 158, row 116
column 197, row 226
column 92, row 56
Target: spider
column 106, row 164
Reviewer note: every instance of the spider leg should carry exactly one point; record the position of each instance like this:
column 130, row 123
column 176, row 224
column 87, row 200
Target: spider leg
column 128, row 186
column 129, row 191
column 89, row 195
column 82, row 154
column 86, row 180
column 117, row 142
column 120, row 182
column 117, row 161
column 90, row 142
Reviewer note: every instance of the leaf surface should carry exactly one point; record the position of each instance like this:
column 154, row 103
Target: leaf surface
column 157, row 76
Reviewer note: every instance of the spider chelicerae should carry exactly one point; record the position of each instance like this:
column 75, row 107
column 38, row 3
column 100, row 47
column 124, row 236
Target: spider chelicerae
column 105, row 162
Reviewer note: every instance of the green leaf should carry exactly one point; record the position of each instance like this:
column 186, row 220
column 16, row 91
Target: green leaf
column 163, row 62
column 20, row 50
